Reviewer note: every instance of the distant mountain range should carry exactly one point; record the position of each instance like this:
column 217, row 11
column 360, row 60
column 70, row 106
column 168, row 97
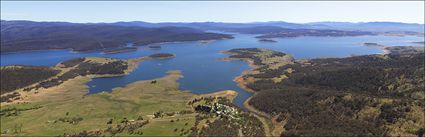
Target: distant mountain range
column 371, row 26
column 348, row 26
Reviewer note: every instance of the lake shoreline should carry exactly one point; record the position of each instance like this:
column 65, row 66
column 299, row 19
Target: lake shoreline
column 239, row 80
column 272, row 128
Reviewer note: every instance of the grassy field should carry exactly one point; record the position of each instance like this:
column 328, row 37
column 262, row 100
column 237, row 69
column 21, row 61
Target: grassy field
column 137, row 100
column 164, row 127
column 144, row 108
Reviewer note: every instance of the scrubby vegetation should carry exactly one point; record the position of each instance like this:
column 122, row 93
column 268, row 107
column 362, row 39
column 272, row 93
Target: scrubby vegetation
column 220, row 127
column 72, row 62
column 261, row 57
column 374, row 95
column 217, row 116
column 10, row 97
column 16, row 77
column 14, row 111
column 400, row 50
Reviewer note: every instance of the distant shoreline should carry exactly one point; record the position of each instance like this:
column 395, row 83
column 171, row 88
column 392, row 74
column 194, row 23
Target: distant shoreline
column 101, row 50
column 395, row 49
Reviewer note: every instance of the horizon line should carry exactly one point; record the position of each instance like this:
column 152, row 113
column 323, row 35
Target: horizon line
column 212, row 22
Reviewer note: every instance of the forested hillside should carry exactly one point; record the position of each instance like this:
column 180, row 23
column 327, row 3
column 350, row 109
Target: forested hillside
column 347, row 26
column 364, row 95
column 26, row 35
column 15, row 77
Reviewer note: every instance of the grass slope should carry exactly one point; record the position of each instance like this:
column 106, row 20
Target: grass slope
column 137, row 99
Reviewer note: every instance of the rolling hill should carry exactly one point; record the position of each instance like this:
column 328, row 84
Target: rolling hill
column 27, row 35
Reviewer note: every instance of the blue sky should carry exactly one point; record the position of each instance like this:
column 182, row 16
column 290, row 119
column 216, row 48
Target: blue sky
column 217, row 11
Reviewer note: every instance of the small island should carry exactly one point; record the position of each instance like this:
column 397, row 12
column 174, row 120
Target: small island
column 154, row 47
column 373, row 44
column 120, row 50
column 267, row 40
column 162, row 55
column 419, row 42
column 206, row 41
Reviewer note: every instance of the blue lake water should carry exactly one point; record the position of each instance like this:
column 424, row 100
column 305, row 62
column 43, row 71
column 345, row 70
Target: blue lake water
column 201, row 65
